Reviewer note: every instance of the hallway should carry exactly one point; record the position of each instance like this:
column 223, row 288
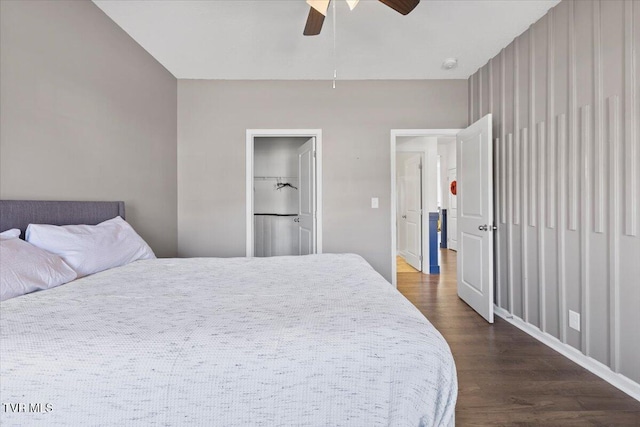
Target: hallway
column 505, row 376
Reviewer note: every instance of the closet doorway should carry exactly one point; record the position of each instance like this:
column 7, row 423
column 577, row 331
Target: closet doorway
column 284, row 193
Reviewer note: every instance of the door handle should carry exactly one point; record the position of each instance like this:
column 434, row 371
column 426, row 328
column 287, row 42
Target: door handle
column 404, row 216
column 482, row 227
column 296, row 220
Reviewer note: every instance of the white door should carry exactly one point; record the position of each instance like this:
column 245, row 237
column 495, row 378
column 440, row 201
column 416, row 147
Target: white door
column 307, row 201
column 452, row 214
column 400, row 209
column 412, row 217
column 475, row 216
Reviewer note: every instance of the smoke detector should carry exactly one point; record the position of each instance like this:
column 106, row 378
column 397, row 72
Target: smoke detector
column 450, row 63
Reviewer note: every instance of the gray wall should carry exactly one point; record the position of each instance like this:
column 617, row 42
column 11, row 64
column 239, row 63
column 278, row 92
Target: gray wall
column 86, row 114
column 277, row 156
column 355, row 118
column 565, row 101
column 447, row 153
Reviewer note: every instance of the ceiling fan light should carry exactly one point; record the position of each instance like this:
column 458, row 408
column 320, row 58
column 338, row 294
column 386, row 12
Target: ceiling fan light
column 352, row 4
column 320, row 5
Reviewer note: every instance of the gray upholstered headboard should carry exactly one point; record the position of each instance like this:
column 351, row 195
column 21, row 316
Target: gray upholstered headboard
column 21, row 213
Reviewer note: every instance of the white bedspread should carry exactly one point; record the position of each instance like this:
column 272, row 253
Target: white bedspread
column 319, row 340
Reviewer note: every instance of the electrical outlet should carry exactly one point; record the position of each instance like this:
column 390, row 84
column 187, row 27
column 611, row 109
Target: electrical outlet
column 574, row 320
column 374, row 203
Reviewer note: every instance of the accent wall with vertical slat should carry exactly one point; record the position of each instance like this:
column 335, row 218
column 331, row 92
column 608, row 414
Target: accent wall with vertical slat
column 565, row 100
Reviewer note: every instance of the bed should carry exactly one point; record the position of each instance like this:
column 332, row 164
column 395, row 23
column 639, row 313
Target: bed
column 320, row 340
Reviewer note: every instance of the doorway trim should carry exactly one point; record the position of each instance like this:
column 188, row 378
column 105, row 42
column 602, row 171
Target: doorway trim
column 395, row 133
column 253, row 133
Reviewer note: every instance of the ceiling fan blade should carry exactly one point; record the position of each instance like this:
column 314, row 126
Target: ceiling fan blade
column 401, row 6
column 320, row 5
column 314, row 23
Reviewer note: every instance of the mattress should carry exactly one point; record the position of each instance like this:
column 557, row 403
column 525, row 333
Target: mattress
column 320, row 340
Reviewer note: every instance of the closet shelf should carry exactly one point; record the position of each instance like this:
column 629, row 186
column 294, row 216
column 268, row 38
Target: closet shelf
column 275, row 177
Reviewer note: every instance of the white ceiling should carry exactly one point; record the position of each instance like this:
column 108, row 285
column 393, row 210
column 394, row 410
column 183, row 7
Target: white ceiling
column 262, row 39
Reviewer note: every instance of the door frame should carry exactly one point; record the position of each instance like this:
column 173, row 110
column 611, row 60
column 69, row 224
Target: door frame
column 395, row 133
column 251, row 134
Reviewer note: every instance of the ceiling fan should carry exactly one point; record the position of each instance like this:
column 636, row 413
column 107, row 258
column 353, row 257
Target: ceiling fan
column 318, row 11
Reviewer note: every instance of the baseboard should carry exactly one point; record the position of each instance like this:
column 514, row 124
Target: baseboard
column 619, row 381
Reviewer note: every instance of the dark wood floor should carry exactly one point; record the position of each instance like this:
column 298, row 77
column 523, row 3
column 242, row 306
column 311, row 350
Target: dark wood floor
column 506, row 377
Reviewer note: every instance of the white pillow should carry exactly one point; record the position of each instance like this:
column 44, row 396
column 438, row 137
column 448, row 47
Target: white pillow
column 89, row 249
column 25, row 268
column 14, row 233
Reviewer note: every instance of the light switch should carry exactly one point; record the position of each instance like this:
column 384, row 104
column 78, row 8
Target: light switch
column 374, row 203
